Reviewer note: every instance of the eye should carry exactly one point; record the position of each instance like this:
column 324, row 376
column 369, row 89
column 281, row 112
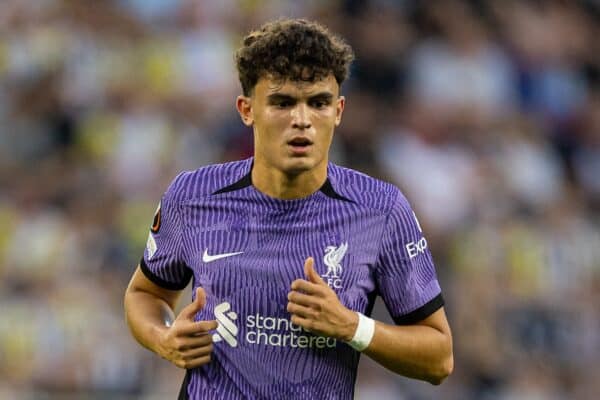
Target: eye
column 283, row 104
column 318, row 104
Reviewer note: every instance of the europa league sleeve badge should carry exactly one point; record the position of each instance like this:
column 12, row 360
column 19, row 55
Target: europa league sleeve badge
column 156, row 222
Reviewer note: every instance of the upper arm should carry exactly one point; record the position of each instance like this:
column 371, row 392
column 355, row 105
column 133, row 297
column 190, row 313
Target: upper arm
column 162, row 271
column 437, row 321
column 164, row 261
column 405, row 273
column 140, row 283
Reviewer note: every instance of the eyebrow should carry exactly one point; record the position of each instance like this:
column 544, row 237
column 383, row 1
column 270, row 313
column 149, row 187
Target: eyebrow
column 274, row 97
column 322, row 96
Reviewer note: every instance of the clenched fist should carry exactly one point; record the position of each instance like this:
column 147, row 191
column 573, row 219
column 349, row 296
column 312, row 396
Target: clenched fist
column 188, row 343
column 316, row 307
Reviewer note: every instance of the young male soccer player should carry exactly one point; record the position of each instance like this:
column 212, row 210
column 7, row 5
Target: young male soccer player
column 287, row 251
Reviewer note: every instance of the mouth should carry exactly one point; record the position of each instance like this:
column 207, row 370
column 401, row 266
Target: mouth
column 299, row 144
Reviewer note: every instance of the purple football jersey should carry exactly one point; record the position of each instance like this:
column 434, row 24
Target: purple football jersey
column 245, row 249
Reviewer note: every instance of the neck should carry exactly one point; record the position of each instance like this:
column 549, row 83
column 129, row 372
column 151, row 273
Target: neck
column 278, row 184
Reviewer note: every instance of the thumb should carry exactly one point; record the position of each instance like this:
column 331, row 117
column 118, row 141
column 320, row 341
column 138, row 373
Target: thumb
column 190, row 311
column 311, row 274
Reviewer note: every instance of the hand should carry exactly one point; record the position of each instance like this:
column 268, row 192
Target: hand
column 315, row 307
column 187, row 343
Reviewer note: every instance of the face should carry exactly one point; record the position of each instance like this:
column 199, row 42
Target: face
column 293, row 122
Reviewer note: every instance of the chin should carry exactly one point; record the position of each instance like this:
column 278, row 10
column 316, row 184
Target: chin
column 298, row 165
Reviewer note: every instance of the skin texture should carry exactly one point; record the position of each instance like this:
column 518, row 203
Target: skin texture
column 421, row 351
column 149, row 313
column 280, row 112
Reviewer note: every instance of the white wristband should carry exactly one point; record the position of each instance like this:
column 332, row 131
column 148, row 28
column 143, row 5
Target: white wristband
column 364, row 333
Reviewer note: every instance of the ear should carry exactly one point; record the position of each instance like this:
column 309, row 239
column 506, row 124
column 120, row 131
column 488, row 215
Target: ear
column 244, row 107
column 339, row 109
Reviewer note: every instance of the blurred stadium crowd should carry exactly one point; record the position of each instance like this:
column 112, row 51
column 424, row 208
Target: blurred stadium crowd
column 486, row 113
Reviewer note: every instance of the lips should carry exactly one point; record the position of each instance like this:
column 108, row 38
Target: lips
column 299, row 145
column 300, row 141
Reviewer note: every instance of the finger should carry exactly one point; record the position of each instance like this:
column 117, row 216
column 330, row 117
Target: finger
column 190, row 311
column 306, row 287
column 197, row 352
column 301, row 298
column 302, row 311
column 200, row 327
column 311, row 274
column 194, row 342
column 197, row 362
column 305, row 323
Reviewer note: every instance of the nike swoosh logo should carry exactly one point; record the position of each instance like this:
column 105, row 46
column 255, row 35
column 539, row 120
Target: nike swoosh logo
column 208, row 258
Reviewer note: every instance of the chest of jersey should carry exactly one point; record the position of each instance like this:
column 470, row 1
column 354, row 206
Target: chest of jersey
column 237, row 249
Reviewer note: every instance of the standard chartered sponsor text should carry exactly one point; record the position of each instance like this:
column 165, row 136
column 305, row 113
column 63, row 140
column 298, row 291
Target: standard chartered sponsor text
column 281, row 332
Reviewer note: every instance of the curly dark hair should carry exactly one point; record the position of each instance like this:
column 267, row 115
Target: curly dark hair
column 294, row 49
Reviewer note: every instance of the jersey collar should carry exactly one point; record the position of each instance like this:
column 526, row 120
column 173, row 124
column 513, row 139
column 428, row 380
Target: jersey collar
column 246, row 180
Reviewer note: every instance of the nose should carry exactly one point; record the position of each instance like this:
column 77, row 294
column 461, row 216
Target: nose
column 301, row 117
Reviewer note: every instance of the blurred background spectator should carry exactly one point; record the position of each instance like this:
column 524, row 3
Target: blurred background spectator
column 485, row 112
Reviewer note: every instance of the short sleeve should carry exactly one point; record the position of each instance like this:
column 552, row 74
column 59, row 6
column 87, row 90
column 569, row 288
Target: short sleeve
column 163, row 261
column 405, row 272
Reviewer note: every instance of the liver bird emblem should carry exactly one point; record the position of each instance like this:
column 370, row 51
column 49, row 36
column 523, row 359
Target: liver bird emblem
column 333, row 258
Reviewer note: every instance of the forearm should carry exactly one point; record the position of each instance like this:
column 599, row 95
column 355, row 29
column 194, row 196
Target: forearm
column 416, row 351
column 421, row 351
column 147, row 316
column 185, row 342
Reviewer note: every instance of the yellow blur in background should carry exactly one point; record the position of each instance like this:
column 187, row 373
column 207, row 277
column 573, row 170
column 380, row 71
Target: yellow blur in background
column 485, row 113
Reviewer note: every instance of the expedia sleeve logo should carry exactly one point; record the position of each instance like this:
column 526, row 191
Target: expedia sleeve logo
column 416, row 247
column 156, row 222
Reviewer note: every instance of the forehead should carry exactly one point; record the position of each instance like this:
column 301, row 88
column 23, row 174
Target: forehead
column 268, row 85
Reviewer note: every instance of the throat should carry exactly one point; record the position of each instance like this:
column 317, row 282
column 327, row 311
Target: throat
column 276, row 184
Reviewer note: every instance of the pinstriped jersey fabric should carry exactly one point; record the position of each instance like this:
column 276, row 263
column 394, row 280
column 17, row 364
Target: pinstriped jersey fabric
column 245, row 248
